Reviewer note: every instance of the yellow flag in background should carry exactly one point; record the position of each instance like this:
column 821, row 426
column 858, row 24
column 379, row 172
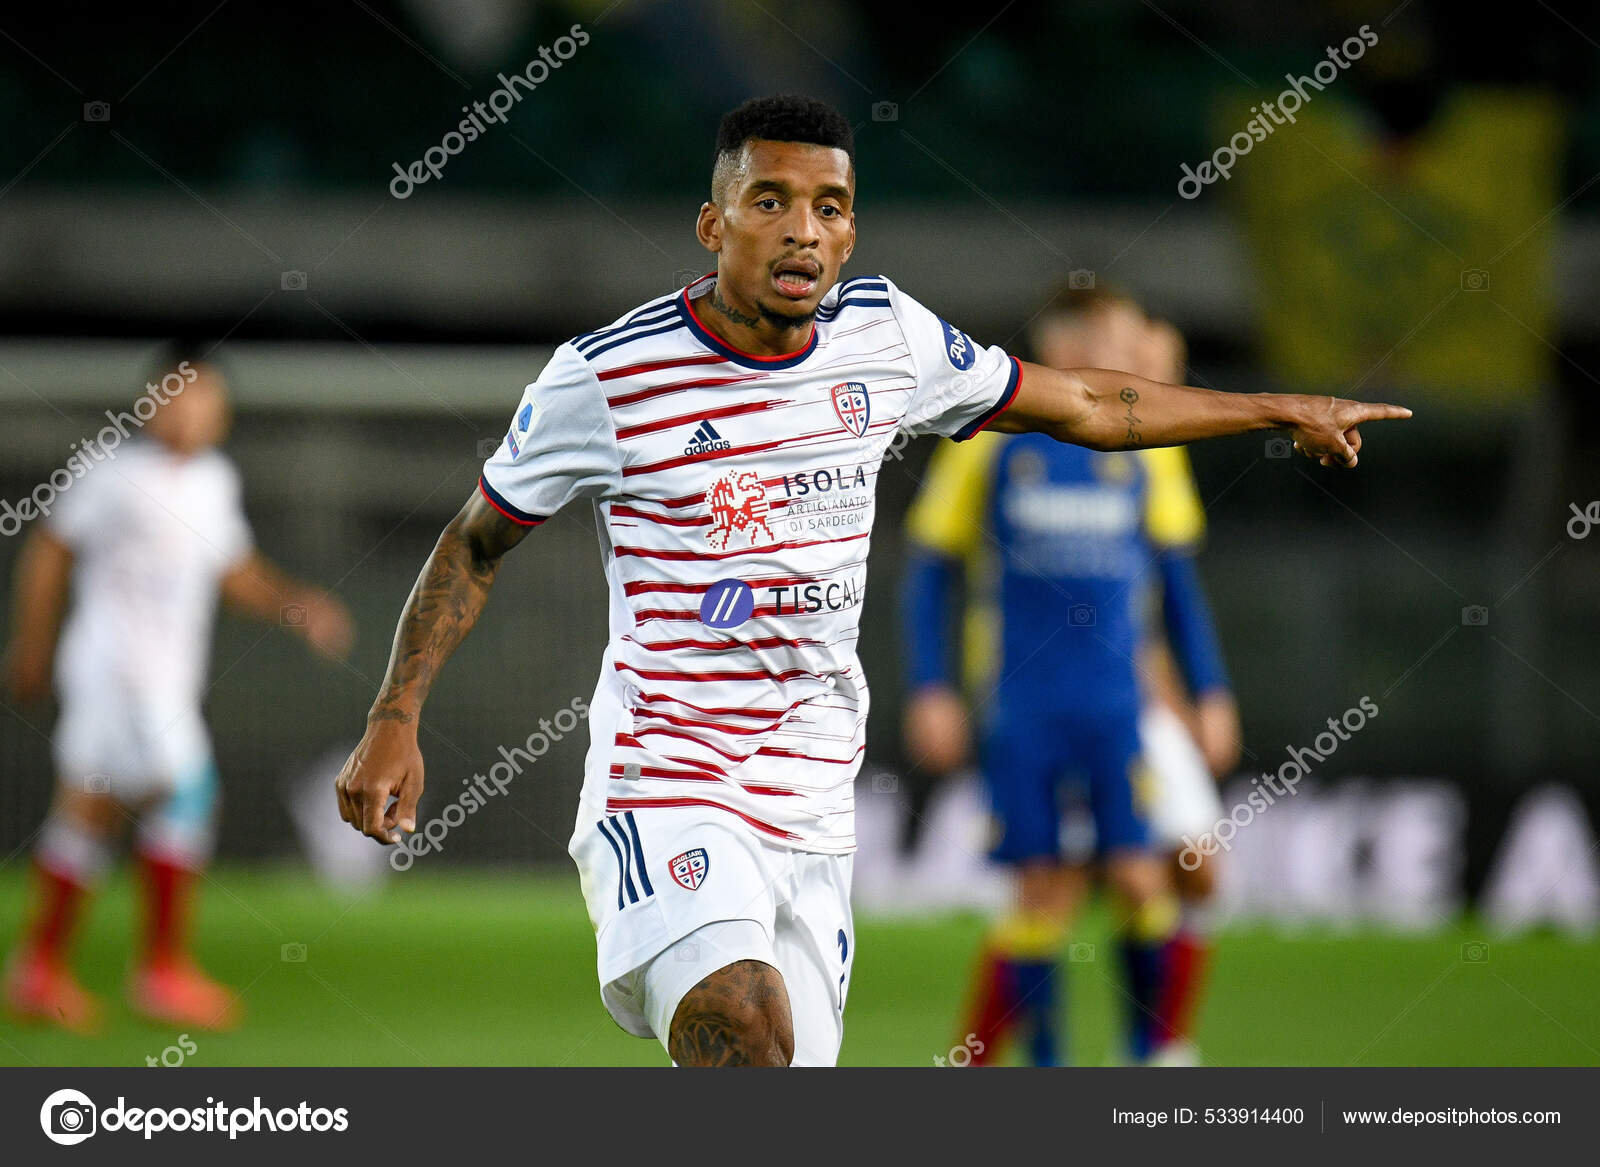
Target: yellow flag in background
column 1425, row 265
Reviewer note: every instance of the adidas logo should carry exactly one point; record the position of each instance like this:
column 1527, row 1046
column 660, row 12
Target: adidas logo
column 705, row 439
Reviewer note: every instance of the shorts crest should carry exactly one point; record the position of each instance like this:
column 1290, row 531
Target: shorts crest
column 689, row 869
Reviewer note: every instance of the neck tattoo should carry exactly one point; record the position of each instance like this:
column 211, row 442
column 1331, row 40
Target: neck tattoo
column 733, row 314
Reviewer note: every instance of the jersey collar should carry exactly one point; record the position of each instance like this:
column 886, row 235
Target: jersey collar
column 723, row 349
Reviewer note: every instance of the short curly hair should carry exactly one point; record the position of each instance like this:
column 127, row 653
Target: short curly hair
column 785, row 117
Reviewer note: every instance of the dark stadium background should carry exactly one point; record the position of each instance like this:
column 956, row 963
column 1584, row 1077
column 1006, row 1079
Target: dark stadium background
column 241, row 144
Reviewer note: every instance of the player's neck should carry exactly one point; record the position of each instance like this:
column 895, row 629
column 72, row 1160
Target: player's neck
column 176, row 451
column 746, row 328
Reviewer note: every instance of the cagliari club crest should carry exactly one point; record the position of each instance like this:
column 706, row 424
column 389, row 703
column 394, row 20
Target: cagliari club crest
column 854, row 407
column 689, row 869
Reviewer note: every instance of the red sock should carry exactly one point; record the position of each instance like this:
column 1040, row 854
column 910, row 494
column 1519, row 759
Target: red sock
column 166, row 908
column 992, row 1008
column 1186, row 957
column 58, row 901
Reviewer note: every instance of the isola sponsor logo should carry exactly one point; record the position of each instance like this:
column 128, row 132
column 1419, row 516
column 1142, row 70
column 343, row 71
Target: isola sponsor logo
column 811, row 596
column 705, row 440
column 822, row 481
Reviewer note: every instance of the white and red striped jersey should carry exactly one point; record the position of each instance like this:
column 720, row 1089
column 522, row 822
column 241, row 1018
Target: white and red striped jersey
column 734, row 496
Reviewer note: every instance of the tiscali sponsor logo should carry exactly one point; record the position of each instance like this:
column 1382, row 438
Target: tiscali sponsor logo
column 808, row 596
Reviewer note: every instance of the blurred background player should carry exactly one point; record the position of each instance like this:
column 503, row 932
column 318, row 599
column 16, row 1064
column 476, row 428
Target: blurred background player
column 1060, row 554
column 1189, row 726
column 145, row 542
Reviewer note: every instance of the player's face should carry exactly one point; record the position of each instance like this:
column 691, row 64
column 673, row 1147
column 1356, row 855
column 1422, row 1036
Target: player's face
column 1112, row 336
column 197, row 418
column 784, row 229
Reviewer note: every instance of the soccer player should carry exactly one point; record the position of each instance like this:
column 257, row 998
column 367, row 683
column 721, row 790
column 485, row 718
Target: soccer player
column 728, row 438
column 146, row 540
column 1057, row 543
column 1190, row 732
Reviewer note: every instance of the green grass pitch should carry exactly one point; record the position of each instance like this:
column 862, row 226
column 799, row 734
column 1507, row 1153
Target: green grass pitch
column 497, row 968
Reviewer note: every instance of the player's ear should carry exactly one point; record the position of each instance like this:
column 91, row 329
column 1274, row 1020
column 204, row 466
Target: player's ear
column 708, row 228
column 850, row 243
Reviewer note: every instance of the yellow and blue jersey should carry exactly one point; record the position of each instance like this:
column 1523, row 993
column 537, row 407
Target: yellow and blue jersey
column 1063, row 549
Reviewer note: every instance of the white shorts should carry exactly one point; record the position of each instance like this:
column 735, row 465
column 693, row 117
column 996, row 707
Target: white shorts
column 127, row 745
column 661, row 885
column 1184, row 800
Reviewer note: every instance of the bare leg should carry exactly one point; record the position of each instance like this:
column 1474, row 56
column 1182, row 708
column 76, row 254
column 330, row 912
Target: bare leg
column 737, row 1016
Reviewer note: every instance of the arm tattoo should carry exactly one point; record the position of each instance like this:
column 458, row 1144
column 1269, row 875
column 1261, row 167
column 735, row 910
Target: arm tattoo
column 731, row 1019
column 730, row 312
column 443, row 607
column 1130, row 397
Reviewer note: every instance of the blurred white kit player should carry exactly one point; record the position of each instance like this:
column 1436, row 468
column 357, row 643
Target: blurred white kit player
column 1185, row 801
column 145, row 541
column 151, row 536
column 734, row 497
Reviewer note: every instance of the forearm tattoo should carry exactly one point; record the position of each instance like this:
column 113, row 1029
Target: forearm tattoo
column 444, row 605
column 1130, row 397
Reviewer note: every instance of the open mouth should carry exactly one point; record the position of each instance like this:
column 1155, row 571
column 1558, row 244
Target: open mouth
column 796, row 278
